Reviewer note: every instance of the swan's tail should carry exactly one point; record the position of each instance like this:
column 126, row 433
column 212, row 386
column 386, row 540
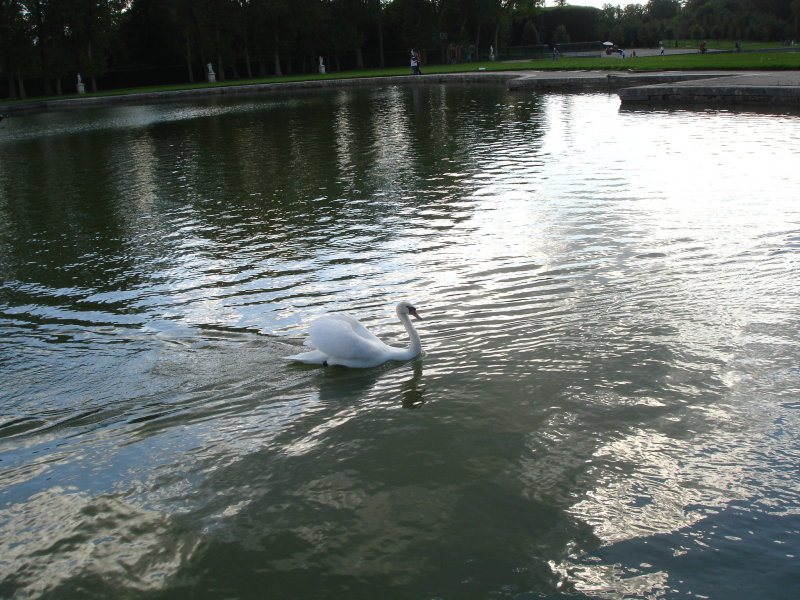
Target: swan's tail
column 315, row 357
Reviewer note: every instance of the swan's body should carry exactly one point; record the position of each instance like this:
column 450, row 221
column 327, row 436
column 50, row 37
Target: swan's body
column 340, row 340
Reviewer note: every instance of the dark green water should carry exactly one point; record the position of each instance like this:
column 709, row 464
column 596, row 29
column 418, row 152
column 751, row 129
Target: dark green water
column 608, row 401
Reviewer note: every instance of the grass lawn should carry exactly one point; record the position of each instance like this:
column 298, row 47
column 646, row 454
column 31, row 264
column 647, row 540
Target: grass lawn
column 726, row 61
column 748, row 61
column 723, row 44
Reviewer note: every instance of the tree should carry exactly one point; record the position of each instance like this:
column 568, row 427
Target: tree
column 89, row 25
column 530, row 35
column 582, row 22
column 795, row 9
column 47, row 28
column 55, row 37
column 158, row 33
column 663, row 9
column 16, row 46
column 560, row 35
column 52, row 39
column 417, row 22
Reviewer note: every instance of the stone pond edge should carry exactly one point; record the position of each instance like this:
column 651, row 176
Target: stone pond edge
column 650, row 87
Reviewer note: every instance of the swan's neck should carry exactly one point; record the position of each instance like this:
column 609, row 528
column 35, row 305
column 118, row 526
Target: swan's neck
column 416, row 347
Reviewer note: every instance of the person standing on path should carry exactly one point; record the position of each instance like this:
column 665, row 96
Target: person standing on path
column 415, row 64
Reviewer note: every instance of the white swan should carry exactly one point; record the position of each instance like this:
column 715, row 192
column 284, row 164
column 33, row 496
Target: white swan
column 340, row 340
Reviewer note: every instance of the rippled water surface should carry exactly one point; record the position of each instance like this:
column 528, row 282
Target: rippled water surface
column 608, row 401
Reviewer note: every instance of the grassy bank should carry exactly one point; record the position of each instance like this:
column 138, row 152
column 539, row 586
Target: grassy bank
column 747, row 61
column 724, row 61
column 723, row 44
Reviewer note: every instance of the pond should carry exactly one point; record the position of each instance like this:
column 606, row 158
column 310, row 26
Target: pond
column 606, row 406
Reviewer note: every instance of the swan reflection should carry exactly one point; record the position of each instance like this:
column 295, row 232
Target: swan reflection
column 382, row 385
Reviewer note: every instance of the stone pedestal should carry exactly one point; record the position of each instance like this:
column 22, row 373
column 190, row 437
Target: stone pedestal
column 80, row 88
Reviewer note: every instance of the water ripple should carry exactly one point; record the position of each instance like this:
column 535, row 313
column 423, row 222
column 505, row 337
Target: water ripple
column 609, row 335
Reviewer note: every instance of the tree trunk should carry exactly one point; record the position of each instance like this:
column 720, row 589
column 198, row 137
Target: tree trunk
column 12, row 89
column 247, row 62
column 359, row 59
column 220, row 64
column 277, row 60
column 21, row 86
column 189, row 60
column 39, row 19
column 199, row 38
column 381, row 60
column 92, row 78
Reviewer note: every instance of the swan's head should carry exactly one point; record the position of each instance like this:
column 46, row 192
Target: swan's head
column 406, row 308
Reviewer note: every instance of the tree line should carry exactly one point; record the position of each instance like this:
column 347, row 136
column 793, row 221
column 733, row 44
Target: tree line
column 44, row 44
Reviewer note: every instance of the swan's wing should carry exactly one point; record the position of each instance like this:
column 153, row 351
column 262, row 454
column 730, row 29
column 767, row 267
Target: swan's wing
column 340, row 338
column 357, row 327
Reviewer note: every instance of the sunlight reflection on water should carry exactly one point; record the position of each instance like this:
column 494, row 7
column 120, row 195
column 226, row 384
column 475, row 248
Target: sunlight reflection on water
column 609, row 377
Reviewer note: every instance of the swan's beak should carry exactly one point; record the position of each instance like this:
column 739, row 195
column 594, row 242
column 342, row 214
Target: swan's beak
column 413, row 313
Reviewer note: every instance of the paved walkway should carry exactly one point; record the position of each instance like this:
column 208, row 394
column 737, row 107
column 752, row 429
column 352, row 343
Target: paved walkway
column 711, row 88
column 776, row 87
column 761, row 78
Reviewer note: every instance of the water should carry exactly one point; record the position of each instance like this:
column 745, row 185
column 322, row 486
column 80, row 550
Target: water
column 607, row 405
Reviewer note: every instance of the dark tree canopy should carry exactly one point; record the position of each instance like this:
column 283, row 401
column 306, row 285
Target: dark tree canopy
column 45, row 44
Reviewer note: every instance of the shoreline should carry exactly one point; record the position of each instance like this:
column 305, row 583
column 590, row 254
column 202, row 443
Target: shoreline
column 714, row 88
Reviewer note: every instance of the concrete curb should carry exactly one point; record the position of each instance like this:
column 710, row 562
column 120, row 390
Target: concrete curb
column 600, row 80
column 167, row 96
column 658, row 88
column 712, row 92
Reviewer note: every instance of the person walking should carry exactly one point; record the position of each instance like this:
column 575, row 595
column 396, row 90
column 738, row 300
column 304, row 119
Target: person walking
column 415, row 64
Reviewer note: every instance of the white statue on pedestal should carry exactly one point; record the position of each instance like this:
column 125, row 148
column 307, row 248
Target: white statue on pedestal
column 321, row 66
column 79, row 87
